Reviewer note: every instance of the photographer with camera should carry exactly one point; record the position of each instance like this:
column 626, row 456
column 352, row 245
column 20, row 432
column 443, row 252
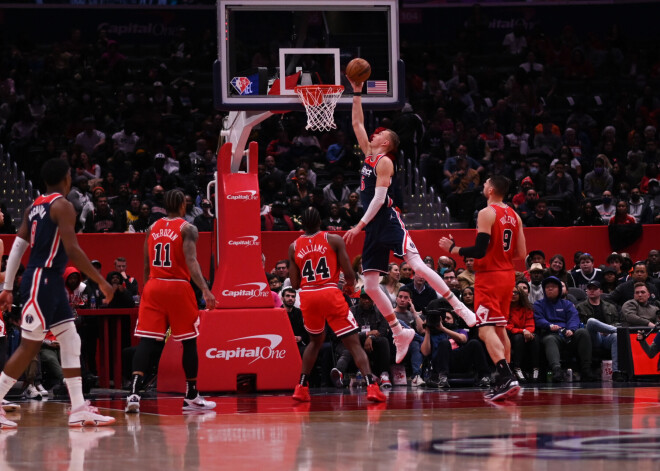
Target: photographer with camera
column 450, row 350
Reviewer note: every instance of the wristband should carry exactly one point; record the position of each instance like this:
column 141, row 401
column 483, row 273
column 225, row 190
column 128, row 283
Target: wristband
column 453, row 244
column 357, row 93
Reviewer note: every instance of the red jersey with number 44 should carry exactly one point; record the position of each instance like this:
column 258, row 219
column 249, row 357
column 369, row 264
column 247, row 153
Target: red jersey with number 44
column 317, row 261
column 503, row 240
column 166, row 256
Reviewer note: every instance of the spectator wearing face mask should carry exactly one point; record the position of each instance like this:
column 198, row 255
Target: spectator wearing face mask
column 598, row 180
column 638, row 207
column 606, row 209
column 536, row 175
column 204, row 222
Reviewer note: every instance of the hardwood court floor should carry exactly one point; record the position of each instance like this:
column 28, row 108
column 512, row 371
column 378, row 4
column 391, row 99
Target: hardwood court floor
column 545, row 428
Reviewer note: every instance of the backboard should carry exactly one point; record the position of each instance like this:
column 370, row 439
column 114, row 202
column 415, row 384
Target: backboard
column 306, row 42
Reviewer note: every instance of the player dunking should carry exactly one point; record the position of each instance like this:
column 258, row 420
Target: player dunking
column 316, row 257
column 48, row 228
column 500, row 239
column 385, row 231
column 168, row 300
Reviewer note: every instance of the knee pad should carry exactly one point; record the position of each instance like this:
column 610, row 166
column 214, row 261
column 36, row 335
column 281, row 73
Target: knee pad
column 69, row 344
column 416, row 263
column 371, row 281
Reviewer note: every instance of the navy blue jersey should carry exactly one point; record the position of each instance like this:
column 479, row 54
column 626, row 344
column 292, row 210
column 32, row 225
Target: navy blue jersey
column 46, row 248
column 386, row 232
column 368, row 186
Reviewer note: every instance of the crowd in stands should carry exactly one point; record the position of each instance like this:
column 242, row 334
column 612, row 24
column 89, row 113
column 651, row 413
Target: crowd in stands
column 562, row 318
column 571, row 119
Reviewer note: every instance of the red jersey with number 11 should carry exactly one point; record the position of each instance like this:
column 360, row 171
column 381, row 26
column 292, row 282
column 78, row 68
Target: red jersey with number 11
column 503, row 240
column 317, row 261
column 166, row 257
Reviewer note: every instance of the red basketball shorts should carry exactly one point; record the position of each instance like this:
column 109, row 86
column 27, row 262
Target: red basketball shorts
column 319, row 306
column 493, row 291
column 168, row 303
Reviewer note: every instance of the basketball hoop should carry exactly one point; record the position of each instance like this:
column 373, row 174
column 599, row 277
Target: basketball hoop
column 320, row 102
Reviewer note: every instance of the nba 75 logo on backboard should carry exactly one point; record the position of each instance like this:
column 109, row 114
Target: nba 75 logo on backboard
column 243, row 85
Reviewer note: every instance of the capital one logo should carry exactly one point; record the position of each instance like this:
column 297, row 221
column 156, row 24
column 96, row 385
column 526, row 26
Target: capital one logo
column 268, row 351
column 245, row 241
column 245, row 195
column 258, row 292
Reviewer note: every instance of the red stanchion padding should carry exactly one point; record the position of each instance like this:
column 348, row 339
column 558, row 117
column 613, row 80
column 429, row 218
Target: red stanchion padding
column 233, row 343
column 240, row 281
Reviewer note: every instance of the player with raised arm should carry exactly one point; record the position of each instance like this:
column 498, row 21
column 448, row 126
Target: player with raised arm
column 48, row 228
column 500, row 240
column 168, row 300
column 316, row 258
column 385, row 231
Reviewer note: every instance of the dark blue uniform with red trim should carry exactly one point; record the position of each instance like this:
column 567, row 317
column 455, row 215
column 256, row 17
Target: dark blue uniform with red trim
column 386, row 232
column 43, row 294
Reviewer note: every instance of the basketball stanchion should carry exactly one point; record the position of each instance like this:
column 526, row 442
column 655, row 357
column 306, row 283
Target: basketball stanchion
column 320, row 102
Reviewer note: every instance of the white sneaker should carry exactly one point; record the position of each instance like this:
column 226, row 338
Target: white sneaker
column 88, row 415
column 4, row 422
column 199, row 403
column 468, row 316
column 402, row 342
column 385, row 382
column 10, row 406
column 517, row 372
column 43, row 391
column 417, row 381
column 132, row 404
column 31, row 392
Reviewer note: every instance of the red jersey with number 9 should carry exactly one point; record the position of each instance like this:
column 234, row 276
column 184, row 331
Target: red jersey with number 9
column 503, row 240
column 317, row 261
column 165, row 245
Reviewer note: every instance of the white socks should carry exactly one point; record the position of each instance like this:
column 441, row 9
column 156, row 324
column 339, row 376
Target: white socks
column 6, row 383
column 74, row 385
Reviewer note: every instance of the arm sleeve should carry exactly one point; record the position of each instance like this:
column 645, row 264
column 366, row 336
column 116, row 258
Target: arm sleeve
column 14, row 260
column 478, row 250
column 377, row 201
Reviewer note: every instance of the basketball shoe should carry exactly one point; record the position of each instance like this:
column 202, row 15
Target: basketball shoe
column 132, row 404
column 88, row 415
column 301, row 393
column 337, row 378
column 385, row 382
column 507, row 389
column 5, row 422
column 468, row 316
column 374, row 394
column 402, row 342
column 199, row 403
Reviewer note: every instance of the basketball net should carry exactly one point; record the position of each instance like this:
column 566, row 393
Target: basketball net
column 320, row 102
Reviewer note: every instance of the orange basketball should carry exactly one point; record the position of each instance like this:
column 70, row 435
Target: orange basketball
column 358, row 70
